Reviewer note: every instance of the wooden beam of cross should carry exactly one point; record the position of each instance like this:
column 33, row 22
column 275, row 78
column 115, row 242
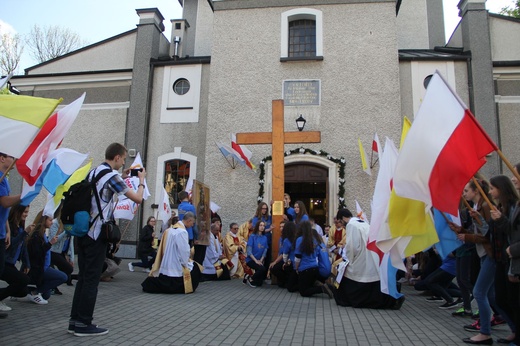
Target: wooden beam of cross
column 278, row 138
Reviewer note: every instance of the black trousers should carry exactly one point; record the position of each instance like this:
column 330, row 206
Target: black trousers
column 16, row 280
column 59, row 260
column 169, row 284
column 91, row 257
column 260, row 273
column 306, row 279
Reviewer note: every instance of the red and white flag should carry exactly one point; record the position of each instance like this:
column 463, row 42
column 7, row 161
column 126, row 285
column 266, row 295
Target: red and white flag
column 243, row 151
column 444, row 148
column 376, row 146
column 50, row 136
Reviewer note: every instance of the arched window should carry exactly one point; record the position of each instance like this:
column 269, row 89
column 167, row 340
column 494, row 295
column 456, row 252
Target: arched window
column 301, row 34
column 302, row 38
column 176, row 175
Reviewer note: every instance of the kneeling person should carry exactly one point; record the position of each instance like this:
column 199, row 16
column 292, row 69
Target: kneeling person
column 176, row 273
column 360, row 287
column 215, row 263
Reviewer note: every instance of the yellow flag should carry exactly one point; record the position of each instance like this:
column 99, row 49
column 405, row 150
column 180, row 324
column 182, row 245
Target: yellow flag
column 409, row 218
column 364, row 158
column 406, row 127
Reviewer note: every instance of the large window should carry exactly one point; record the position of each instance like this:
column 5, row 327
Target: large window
column 176, row 175
column 301, row 35
column 302, row 38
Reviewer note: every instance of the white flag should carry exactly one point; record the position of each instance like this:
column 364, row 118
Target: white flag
column 126, row 208
column 164, row 211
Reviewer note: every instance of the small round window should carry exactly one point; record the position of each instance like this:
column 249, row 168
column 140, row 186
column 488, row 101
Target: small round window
column 181, row 86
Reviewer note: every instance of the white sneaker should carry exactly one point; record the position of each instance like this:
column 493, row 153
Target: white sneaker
column 130, row 266
column 4, row 307
column 37, row 299
column 146, row 270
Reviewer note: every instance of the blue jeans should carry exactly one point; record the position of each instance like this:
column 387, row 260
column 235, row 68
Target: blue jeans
column 484, row 293
column 51, row 278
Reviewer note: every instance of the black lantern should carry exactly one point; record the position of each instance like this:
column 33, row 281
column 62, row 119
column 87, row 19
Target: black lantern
column 300, row 123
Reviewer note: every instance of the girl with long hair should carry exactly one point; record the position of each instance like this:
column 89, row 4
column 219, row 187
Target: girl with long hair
column 145, row 248
column 301, row 212
column 256, row 253
column 42, row 275
column 506, row 292
column 281, row 268
column 262, row 214
column 306, row 262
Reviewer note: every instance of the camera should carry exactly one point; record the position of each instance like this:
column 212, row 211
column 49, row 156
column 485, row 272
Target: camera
column 134, row 172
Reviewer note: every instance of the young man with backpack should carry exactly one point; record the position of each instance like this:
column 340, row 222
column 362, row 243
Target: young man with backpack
column 93, row 246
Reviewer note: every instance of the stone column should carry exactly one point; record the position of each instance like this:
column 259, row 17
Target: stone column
column 476, row 39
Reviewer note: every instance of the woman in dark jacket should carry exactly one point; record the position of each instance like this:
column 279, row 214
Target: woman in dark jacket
column 145, row 249
column 42, row 275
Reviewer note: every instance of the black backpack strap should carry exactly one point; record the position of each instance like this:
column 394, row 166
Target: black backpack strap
column 96, row 194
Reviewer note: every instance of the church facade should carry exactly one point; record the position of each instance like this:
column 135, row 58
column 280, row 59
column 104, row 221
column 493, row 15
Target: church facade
column 351, row 68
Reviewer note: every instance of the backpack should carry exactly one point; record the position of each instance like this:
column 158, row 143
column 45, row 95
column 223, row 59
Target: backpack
column 77, row 204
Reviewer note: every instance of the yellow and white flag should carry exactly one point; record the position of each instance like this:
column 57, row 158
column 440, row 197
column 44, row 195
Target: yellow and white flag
column 364, row 159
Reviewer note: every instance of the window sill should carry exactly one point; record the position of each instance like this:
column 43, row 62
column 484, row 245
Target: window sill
column 302, row 58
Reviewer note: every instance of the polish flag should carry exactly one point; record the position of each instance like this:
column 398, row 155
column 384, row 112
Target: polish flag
column 243, row 151
column 444, row 148
column 50, row 136
column 376, row 146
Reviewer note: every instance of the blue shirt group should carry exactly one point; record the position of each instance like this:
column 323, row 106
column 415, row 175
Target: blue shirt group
column 287, row 249
column 256, row 246
column 307, row 261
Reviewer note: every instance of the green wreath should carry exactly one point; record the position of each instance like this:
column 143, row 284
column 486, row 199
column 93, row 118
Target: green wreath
column 341, row 162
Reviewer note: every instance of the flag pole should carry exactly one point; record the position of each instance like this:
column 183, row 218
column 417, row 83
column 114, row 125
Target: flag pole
column 469, row 208
column 508, row 164
column 7, row 171
column 483, row 194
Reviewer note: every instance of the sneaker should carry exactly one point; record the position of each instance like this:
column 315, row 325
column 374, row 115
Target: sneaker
column 462, row 313
column 37, row 299
column 4, row 307
column 89, row 330
column 496, row 320
column 146, row 270
column 130, row 266
column 72, row 327
column 246, row 279
column 326, row 289
column 449, row 305
column 476, row 315
column 474, row 327
column 434, row 299
column 251, row 284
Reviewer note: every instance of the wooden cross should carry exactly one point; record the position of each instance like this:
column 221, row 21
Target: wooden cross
column 278, row 138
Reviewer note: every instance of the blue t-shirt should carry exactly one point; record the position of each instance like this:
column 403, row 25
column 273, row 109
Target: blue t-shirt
column 257, row 246
column 47, row 262
column 287, row 249
column 305, row 217
column 4, row 212
column 267, row 220
column 183, row 208
column 290, row 213
column 307, row 261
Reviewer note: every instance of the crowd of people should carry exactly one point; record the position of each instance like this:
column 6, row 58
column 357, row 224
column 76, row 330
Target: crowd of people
column 332, row 261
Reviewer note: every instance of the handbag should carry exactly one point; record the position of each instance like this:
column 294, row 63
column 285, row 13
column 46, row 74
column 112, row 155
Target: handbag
column 111, row 231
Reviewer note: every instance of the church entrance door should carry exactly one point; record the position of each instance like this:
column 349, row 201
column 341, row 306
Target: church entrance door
column 308, row 183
